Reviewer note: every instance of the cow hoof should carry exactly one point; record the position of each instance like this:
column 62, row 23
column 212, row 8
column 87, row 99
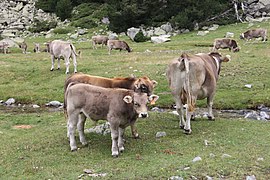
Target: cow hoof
column 84, row 143
column 115, row 154
column 187, row 131
column 51, row 70
column 181, row 126
column 192, row 118
column 74, row 149
column 210, row 118
column 121, row 149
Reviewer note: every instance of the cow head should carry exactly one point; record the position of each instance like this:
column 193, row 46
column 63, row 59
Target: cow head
column 140, row 101
column 145, row 85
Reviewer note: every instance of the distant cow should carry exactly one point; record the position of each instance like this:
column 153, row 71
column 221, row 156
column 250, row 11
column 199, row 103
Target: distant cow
column 226, row 43
column 193, row 77
column 62, row 49
column 23, row 46
column 120, row 107
column 142, row 84
column 4, row 47
column 117, row 44
column 99, row 40
column 254, row 33
column 36, row 47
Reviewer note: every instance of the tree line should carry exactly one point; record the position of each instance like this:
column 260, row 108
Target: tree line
column 124, row 14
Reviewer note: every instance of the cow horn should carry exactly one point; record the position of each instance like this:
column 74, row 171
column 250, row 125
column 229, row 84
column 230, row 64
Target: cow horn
column 227, row 58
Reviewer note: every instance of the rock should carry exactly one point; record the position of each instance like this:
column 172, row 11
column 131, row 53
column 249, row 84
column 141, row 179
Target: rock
column 74, row 36
column 252, row 115
column 158, row 31
column 131, row 32
column 214, row 27
column 160, row 134
column 100, row 129
column 202, row 33
column 167, row 27
column 36, row 106
column 198, row 158
column 264, row 115
column 113, row 36
column 54, row 104
column 252, row 177
column 176, row 178
column 160, row 39
column 225, row 156
column 105, row 20
column 229, row 35
column 10, row 101
column 248, row 85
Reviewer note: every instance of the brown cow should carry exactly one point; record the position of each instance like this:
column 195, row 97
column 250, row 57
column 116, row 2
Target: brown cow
column 117, row 44
column 142, row 84
column 255, row 33
column 120, row 107
column 99, row 40
column 224, row 43
column 37, row 48
column 193, row 77
column 4, row 47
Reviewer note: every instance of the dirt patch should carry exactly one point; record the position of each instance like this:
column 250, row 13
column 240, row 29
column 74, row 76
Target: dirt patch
column 22, row 127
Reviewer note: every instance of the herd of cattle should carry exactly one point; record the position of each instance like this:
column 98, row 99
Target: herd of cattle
column 121, row 101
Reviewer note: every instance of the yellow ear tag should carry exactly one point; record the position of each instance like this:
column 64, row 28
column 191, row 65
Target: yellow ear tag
column 153, row 102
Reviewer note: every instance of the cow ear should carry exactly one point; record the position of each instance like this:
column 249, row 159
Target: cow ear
column 227, row 58
column 154, row 83
column 128, row 99
column 153, row 98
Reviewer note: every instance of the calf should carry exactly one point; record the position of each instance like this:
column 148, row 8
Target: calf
column 193, row 77
column 120, row 107
column 142, row 84
column 255, row 33
column 62, row 49
column 99, row 40
column 117, row 44
column 225, row 43
column 36, row 47
column 4, row 47
column 23, row 46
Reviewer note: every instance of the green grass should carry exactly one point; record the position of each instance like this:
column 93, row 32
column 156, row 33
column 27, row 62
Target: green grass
column 43, row 152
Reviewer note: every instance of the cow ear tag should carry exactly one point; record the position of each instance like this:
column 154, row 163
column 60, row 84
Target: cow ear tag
column 153, row 99
column 128, row 99
column 137, row 84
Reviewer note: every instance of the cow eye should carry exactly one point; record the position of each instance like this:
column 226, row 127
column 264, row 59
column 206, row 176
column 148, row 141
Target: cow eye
column 136, row 104
column 144, row 88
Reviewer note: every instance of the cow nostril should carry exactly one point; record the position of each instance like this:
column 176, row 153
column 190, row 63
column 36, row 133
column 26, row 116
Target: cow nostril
column 144, row 115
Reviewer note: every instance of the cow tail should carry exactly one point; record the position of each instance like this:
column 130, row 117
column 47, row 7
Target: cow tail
column 74, row 51
column 65, row 99
column 187, row 82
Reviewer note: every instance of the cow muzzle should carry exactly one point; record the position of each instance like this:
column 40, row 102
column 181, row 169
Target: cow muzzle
column 143, row 115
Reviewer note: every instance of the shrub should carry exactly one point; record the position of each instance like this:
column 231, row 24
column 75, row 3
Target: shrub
column 39, row 26
column 85, row 22
column 140, row 37
column 63, row 30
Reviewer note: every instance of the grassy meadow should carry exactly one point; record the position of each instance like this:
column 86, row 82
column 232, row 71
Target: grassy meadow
column 236, row 147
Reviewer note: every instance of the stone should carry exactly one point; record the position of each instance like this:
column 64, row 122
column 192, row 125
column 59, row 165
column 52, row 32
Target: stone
column 54, row 104
column 131, row 32
column 113, row 36
column 252, row 177
column 10, row 101
column 167, row 27
column 176, row 178
column 202, row 33
column 196, row 159
column 160, row 39
column 160, row 134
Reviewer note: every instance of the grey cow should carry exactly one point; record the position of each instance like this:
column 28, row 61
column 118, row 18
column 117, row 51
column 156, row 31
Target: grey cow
column 62, row 49
column 120, row 107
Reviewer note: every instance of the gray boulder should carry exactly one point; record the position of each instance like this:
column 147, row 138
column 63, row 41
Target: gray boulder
column 131, row 32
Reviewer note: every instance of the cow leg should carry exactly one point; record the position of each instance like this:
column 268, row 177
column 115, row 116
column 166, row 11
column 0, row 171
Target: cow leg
column 58, row 63
column 72, row 123
column 67, row 65
column 187, row 128
column 74, row 63
column 121, row 139
column 114, row 135
column 80, row 127
column 53, row 59
column 180, row 111
column 210, row 108
column 134, row 131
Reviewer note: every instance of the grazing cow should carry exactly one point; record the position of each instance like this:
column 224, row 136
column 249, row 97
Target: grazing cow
column 193, row 77
column 117, row 44
column 23, row 46
column 4, row 47
column 62, row 49
column 120, row 107
column 36, row 47
column 255, row 33
column 226, row 43
column 99, row 40
column 142, row 84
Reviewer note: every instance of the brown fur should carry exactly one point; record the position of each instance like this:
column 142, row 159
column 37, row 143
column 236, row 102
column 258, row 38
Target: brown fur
column 254, row 33
column 117, row 44
column 226, row 43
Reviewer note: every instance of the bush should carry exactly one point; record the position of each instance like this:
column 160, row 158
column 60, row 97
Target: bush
column 63, row 30
column 85, row 22
column 39, row 26
column 140, row 37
